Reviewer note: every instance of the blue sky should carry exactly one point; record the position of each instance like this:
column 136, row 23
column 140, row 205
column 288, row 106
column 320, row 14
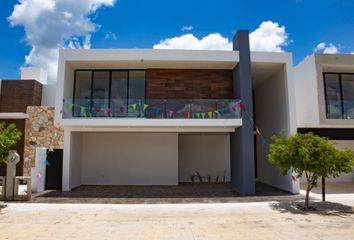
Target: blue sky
column 296, row 26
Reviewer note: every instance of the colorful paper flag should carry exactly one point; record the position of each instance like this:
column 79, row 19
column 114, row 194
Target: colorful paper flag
column 108, row 110
column 242, row 106
column 258, row 132
column 71, row 105
column 229, row 109
column 185, row 114
column 134, row 106
column 50, row 149
column 221, row 112
column 39, row 176
column 170, row 114
column 83, row 110
column 210, row 114
column 145, row 107
column 46, row 162
column 158, row 111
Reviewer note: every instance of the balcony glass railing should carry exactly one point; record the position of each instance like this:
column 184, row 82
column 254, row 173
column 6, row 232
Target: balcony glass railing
column 152, row 108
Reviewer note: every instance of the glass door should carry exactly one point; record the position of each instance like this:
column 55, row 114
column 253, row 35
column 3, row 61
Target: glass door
column 136, row 94
column 119, row 93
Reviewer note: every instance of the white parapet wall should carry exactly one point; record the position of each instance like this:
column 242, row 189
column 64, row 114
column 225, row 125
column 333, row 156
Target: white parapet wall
column 31, row 73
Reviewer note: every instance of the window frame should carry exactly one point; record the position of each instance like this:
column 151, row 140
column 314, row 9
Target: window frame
column 110, row 86
column 340, row 92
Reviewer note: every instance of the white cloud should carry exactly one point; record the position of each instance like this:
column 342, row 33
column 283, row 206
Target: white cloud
column 326, row 48
column 270, row 36
column 53, row 24
column 213, row 41
column 111, row 35
column 187, row 28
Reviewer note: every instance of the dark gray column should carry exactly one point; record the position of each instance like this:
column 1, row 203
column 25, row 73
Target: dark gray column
column 242, row 146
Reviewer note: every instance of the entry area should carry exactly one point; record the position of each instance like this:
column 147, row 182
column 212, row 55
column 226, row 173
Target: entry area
column 153, row 159
column 272, row 114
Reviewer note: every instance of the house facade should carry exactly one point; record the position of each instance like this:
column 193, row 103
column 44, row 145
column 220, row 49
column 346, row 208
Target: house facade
column 324, row 90
column 158, row 117
column 15, row 97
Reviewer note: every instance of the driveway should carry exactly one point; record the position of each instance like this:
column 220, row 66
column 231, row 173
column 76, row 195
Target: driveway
column 262, row 220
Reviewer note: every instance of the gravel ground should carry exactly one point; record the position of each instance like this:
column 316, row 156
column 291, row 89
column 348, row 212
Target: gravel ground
column 262, row 220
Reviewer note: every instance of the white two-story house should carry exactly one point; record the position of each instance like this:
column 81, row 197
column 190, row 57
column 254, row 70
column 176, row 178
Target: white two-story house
column 156, row 117
column 324, row 90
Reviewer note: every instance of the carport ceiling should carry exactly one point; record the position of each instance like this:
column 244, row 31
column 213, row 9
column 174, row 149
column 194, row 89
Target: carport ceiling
column 264, row 71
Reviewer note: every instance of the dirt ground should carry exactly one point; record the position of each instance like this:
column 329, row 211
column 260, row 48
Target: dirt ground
column 262, row 220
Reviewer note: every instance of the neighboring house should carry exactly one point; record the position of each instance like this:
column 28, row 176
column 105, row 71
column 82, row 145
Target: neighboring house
column 155, row 117
column 324, row 90
column 16, row 96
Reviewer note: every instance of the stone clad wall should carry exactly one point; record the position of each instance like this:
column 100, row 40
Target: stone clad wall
column 189, row 84
column 40, row 132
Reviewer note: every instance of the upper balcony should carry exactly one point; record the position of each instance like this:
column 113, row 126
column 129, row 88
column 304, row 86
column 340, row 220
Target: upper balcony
column 153, row 114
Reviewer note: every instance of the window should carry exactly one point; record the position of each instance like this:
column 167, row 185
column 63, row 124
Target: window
column 136, row 92
column 339, row 92
column 348, row 94
column 100, row 93
column 119, row 93
column 104, row 93
column 83, row 83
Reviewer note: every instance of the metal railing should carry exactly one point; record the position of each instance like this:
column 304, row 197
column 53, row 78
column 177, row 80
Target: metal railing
column 152, row 108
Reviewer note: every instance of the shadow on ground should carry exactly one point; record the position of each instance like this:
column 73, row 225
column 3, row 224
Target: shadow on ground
column 319, row 208
column 2, row 206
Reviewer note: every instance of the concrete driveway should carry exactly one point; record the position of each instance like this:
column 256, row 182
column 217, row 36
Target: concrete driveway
column 263, row 220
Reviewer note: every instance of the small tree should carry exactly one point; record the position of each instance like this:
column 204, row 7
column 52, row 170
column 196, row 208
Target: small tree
column 311, row 155
column 9, row 136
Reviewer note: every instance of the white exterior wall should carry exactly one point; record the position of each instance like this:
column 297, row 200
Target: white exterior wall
column 76, row 159
column 129, row 159
column 38, row 184
column 272, row 106
column 306, row 93
column 48, row 94
column 209, row 154
column 310, row 91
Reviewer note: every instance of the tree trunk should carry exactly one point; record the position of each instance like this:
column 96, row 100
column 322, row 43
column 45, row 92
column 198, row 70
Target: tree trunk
column 307, row 199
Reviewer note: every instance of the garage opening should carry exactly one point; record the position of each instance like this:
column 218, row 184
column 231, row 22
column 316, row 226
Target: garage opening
column 112, row 158
column 104, row 158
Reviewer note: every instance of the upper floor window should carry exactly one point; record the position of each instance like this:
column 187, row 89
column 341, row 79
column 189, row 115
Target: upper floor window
column 104, row 93
column 339, row 94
